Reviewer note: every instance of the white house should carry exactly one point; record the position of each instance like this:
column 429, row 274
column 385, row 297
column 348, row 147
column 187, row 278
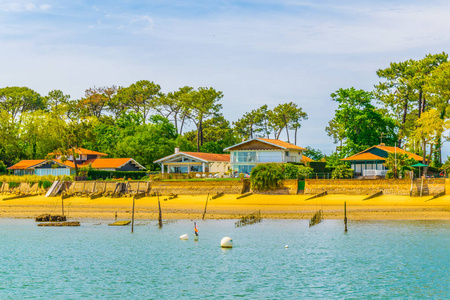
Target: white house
column 246, row 155
column 187, row 162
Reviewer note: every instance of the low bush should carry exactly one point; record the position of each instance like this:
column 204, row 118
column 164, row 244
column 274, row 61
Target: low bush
column 134, row 175
column 13, row 184
column 342, row 171
column 267, row 176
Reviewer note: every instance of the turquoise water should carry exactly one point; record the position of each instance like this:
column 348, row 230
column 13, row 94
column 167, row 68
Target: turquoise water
column 375, row 259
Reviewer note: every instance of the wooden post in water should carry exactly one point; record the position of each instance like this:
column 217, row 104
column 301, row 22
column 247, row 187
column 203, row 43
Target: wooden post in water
column 421, row 188
column 345, row 216
column 206, row 205
column 132, row 218
column 62, row 205
column 160, row 216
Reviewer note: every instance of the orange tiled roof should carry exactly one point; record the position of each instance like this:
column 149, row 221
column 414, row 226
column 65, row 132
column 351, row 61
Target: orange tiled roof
column 82, row 151
column 25, row 164
column 306, row 159
column 107, row 163
column 281, row 144
column 209, row 156
column 364, row 156
column 66, row 163
column 391, row 149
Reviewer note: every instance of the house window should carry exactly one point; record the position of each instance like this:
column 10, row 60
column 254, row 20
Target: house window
column 287, row 153
column 196, row 168
column 246, row 169
column 246, row 156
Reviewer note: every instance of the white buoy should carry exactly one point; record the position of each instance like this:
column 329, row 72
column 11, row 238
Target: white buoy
column 287, row 246
column 226, row 242
column 184, row 237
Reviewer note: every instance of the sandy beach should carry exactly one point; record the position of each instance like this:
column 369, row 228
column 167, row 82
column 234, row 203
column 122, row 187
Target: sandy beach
column 228, row 207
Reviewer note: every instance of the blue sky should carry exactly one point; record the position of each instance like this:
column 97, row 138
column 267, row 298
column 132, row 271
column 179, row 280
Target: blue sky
column 256, row 52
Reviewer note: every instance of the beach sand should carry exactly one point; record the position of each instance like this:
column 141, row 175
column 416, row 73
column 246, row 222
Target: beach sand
column 228, row 207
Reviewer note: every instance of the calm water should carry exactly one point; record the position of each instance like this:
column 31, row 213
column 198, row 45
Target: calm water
column 376, row 259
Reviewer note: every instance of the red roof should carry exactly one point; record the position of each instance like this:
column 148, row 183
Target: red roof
column 25, row 164
column 100, row 163
column 82, row 151
column 109, row 163
column 306, row 159
column 364, row 155
column 282, row 144
column 209, row 156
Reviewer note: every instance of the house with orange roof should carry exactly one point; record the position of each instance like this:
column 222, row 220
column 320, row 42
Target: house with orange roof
column 187, row 162
column 246, row 155
column 370, row 162
column 83, row 157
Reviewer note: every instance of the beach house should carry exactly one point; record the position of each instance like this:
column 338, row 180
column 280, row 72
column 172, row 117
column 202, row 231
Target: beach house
column 84, row 157
column 370, row 162
column 192, row 162
column 246, row 155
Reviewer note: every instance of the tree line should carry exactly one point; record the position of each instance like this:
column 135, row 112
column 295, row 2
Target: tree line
column 408, row 107
column 138, row 121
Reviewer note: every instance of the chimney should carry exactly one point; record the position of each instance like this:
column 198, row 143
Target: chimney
column 177, row 150
column 382, row 145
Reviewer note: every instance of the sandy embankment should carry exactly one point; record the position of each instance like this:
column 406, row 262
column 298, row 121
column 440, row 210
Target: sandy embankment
column 228, row 207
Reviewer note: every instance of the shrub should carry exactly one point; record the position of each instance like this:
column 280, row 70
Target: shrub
column 13, row 184
column 292, row 171
column 389, row 174
column 267, row 176
column 96, row 174
column 45, row 184
column 342, row 171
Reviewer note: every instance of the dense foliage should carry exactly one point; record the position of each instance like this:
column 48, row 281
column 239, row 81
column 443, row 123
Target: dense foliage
column 96, row 175
column 267, row 176
column 342, row 171
column 137, row 121
column 414, row 98
column 398, row 164
column 292, row 171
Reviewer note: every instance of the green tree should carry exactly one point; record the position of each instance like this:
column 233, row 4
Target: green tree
column 403, row 89
column 398, row 164
column 204, row 104
column 286, row 116
column 362, row 123
column 176, row 106
column 17, row 100
column 429, row 128
column 314, row 154
column 141, row 97
column 3, row 167
column 253, row 124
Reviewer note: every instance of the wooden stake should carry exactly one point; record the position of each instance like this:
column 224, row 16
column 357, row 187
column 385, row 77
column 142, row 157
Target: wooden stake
column 206, row 205
column 62, row 205
column 345, row 216
column 160, row 215
column 132, row 218
column 116, row 216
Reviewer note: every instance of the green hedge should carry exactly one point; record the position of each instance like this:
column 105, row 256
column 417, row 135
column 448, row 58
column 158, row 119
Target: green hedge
column 97, row 174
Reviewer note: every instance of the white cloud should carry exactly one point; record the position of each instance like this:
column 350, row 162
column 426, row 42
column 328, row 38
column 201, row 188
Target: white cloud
column 45, row 6
column 22, row 6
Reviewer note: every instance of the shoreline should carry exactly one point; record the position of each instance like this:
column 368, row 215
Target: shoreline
column 386, row 207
